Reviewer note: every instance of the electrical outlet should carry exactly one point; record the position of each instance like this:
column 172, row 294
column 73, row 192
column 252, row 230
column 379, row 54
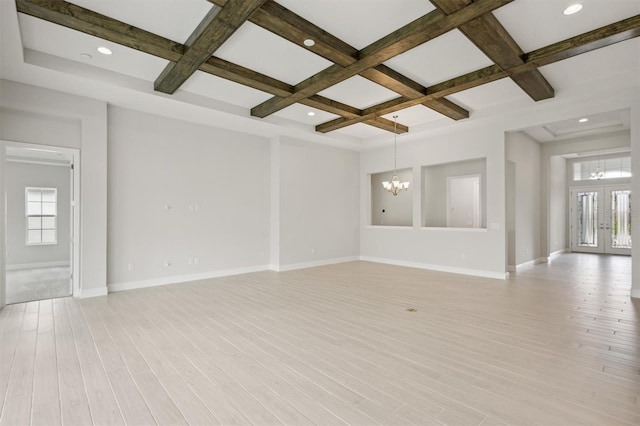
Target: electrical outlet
column 131, row 267
column 167, row 263
column 196, row 261
column 190, row 261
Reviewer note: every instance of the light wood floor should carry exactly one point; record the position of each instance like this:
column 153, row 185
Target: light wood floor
column 558, row 344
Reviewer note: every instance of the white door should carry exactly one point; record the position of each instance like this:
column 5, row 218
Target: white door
column 463, row 201
column 601, row 219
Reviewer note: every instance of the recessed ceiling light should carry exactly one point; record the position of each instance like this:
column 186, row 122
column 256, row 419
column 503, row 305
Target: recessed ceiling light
column 104, row 50
column 574, row 8
column 85, row 56
column 309, row 42
column 311, row 113
column 583, row 120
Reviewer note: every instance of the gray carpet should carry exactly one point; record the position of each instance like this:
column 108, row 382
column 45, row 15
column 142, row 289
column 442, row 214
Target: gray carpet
column 25, row 285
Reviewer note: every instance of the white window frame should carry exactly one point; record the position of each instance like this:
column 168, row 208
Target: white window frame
column 54, row 215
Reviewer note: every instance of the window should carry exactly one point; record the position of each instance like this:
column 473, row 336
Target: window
column 41, row 208
column 607, row 168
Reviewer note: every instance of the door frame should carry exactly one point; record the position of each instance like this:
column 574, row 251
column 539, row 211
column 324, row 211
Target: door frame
column 604, row 237
column 74, row 155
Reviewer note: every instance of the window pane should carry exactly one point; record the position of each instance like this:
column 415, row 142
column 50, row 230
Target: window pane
column 621, row 219
column 34, row 223
column 48, row 236
column 49, row 209
column 34, row 236
column 34, row 195
column 49, row 195
column 48, row 223
column 34, row 209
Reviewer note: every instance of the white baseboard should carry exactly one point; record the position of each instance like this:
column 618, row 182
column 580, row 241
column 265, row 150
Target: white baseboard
column 293, row 266
column 92, row 292
column 559, row 252
column 38, row 265
column 635, row 293
column 177, row 279
column 440, row 268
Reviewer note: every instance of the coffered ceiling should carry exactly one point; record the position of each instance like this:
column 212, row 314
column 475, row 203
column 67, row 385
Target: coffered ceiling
column 341, row 68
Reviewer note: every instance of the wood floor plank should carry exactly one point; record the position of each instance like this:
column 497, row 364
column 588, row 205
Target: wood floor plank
column 557, row 343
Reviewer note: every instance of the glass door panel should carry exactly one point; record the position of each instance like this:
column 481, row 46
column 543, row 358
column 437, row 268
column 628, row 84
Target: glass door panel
column 587, row 219
column 619, row 233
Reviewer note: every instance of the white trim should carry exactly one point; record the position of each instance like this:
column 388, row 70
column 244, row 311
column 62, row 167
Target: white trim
column 38, row 265
column 440, row 268
column 405, row 227
column 558, row 252
column 635, row 293
column 179, row 279
column 443, row 228
column 40, row 163
column 293, row 266
column 528, row 263
column 92, row 292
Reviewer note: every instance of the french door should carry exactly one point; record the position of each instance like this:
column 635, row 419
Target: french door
column 601, row 219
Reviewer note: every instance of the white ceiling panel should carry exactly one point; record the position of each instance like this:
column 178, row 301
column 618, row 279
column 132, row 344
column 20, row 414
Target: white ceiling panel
column 538, row 23
column 267, row 53
column 363, row 131
column 359, row 22
column 620, row 57
column 172, row 19
column 445, row 57
column 227, row 91
column 488, row 95
column 60, row 41
column 415, row 115
column 300, row 113
column 359, row 92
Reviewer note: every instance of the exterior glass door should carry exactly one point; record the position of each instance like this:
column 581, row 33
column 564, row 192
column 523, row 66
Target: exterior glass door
column 601, row 219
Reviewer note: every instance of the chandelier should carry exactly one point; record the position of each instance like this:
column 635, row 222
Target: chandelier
column 598, row 174
column 395, row 186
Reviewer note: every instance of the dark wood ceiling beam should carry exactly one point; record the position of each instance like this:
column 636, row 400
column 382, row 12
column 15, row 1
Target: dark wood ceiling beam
column 281, row 21
column 488, row 34
column 84, row 20
column 605, row 36
column 413, row 34
column 216, row 28
column 106, row 28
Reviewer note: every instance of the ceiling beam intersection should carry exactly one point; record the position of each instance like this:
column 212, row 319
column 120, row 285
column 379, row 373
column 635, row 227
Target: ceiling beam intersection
column 492, row 38
column 421, row 30
column 215, row 29
column 281, row 21
column 601, row 37
column 80, row 19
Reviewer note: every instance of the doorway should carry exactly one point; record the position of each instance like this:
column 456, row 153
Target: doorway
column 601, row 219
column 41, row 255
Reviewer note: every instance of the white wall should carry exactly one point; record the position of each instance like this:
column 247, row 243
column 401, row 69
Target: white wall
column 558, row 202
column 34, row 115
column 22, row 175
column 387, row 209
column 319, row 204
column 473, row 251
column 434, row 189
column 525, row 153
column 179, row 192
